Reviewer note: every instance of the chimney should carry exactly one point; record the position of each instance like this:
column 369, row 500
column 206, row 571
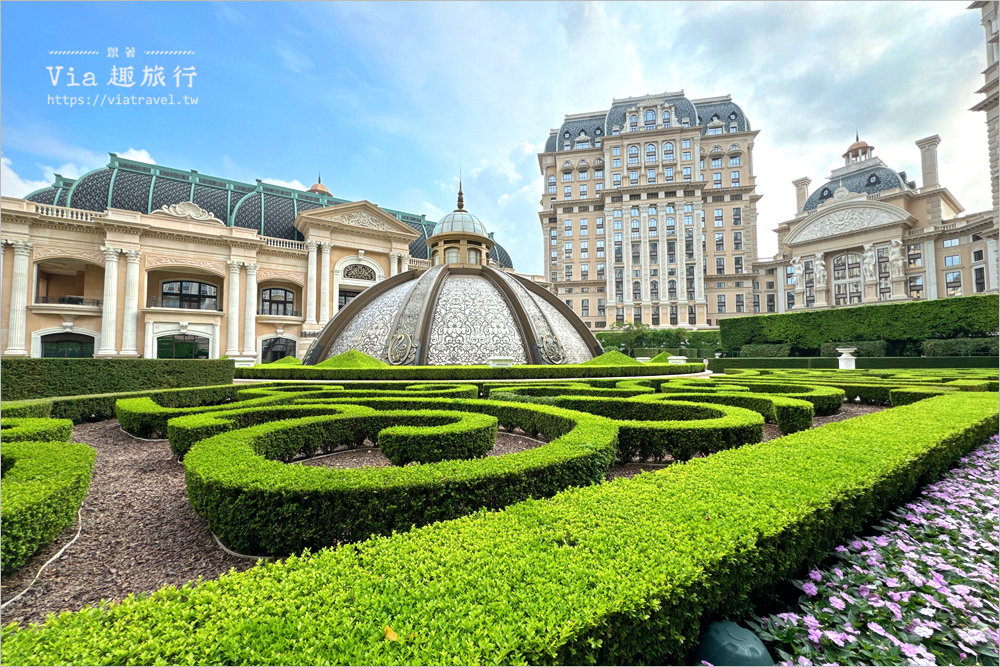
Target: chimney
column 929, row 161
column 801, row 192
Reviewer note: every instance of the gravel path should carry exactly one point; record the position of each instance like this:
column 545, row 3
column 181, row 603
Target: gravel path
column 140, row 533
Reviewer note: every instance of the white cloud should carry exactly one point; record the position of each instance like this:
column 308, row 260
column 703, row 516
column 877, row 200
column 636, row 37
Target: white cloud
column 137, row 154
column 12, row 185
column 295, row 184
column 293, row 60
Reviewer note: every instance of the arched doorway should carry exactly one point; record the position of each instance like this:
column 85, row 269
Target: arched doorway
column 276, row 348
column 71, row 345
column 182, row 346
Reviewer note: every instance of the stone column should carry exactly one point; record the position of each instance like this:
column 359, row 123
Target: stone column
column 109, row 318
column 310, row 296
column 393, row 263
column 336, row 292
column 149, row 348
column 820, row 281
column 233, row 311
column 17, row 324
column 991, row 263
column 130, row 324
column 324, row 284
column 250, row 320
column 930, row 263
column 406, row 263
column 216, row 343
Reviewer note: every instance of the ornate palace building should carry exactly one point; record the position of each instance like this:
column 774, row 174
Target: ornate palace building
column 649, row 211
column 140, row 260
column 868, row 234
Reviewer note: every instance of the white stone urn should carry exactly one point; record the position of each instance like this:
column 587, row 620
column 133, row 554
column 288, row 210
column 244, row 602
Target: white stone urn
column 846, row 360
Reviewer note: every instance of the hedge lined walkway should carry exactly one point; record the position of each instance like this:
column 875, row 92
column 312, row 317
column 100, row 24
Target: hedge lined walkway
column 139, row 533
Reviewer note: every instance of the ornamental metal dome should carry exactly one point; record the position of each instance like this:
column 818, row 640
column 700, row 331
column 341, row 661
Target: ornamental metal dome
column 456, row 314
column 460, row 221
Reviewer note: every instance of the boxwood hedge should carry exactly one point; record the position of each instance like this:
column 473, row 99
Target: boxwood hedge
column 619, row 573
column 38, row 430
column 465, row 373
column 42, row 487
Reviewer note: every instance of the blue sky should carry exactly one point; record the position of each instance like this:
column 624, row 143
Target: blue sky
column 389, row 100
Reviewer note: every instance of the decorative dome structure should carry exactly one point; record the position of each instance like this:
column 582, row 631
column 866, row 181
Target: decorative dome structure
column 459, row 311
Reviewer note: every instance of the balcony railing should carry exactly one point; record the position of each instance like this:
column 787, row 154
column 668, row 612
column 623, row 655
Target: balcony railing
column 69, row 301
column 153, row 302
column 279, row 312
column 287, row 244
column 68, row 213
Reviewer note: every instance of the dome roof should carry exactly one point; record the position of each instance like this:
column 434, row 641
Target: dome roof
column 466, row 316
column 460, row 221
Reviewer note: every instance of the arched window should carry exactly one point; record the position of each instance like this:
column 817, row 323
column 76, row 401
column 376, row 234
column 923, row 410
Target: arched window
column 633, row 119
column 847, row 279
column 672, row 289
column 67, row 345
column 451, row 256
column 636, row 291
column 635, row 224
column 277, row 301
column 668, row 151
column 650, row 116
column 189, row 294
column 666, row 119
column 654, row 289
column 650, row 152
column 633, row 150
column 552, row 185
column 435, row 258
column 474, row 256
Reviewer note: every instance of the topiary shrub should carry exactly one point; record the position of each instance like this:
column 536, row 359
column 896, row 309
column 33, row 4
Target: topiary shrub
column 766, row 350
column 960, row 347
column 351, row 359
column 612, row 358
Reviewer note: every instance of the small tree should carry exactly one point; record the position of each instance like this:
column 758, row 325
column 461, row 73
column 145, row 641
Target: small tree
column 627, row 335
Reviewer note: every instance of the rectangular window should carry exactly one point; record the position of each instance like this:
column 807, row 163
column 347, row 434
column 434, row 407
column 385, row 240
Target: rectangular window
column 737, row 265
column 584, row 249
column 598, row 174
column 734, row 161
column 568, row 250
column 585, row 307
column 583, row 175
column 769, row 284
column 583, row 191
column 979, row 279
column 950, row 243
column 654, row 255
column 714, row 130
column 734, row 178
column 977, row 255
column 673, row 315
column 567, row 176
column 656, row 316
column 740, row 304
column 737, row 240
column 717, row 163
column 720, row 265
column 568, row 192
column 686, row 156
column 952, row 260
column 633, row 178
column 687, row 173
column 685, row 143
column 584, row 271
column 616, row 162
column 717, row 216
column 717, row 179
column 916, row 287
column 914, row 256
column 616, row 180
column 554, row 257
column 651, row 176
column 598, row 187
column 668, row 174
column 616, row 150
column 599, row 223
column 720, row 241
column 600, row 267
column 583, row 226
column 568, row 270
column 601, row 307
column 789, row 300
column 600, row 248
column 737, row 217
column 771, row 307
column 637, row 314
column 953, row 283
column 692, row 317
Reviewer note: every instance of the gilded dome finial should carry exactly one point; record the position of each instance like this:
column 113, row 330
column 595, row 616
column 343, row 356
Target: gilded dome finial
column 461, row 198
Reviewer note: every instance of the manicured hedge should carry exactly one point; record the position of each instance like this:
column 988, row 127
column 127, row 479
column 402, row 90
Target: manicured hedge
column 790, row 414
column 98, row 407
column 766, row 350
column 39, row 378
column 864, row 348
column 826, row 400
column 35, row 429
column 620, row 573
column 720, row 365
column 42, row 488
column 961, row 347
column 910, row 322
column 261, row 506
column 465, row 373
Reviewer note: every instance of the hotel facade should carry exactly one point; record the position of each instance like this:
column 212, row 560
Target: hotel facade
column 140, row 260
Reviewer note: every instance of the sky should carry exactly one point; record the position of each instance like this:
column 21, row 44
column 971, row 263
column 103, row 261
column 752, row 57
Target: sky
column 390, row 101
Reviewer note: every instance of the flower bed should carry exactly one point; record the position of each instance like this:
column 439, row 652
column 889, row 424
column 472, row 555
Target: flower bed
column 924, row 591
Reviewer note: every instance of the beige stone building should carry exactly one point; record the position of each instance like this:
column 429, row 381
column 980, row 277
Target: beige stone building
column 868, row 235
column 138, row 260
column 649, row 211
column 991, row 92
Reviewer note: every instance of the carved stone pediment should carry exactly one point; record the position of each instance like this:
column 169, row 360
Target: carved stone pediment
column 187, row 210
column 846, row 218
column 361, row 219
column 362, row 216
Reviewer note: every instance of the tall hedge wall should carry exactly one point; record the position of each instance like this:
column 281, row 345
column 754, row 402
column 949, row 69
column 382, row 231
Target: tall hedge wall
column 911, row 322
column 40, row 378
column 720, row 365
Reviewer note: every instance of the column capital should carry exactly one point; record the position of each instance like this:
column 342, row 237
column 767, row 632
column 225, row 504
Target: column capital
column 311, row 246
column 394, row 255
column 21, row 247
column 132, row 256
column 234, row 266
column 251, row 268
column 325, row 246
column 111, row 253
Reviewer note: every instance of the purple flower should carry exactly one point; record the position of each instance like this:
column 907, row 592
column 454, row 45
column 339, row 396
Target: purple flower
column 837, row 603
column 962, row 590
column 892, row 582
column 840, row 549
column 805, row 661
column 815, row 636
column 876, row 628
column 922, row 631
column 816, row 575
column 811, row 622
column 809, row 588
column 838, row 572
column 838, row 638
